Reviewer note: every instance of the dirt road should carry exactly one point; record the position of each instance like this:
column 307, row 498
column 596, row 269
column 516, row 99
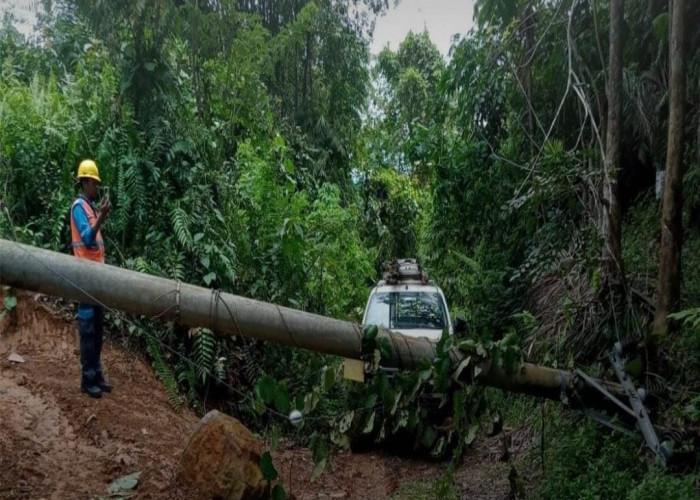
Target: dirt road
column 56, row 443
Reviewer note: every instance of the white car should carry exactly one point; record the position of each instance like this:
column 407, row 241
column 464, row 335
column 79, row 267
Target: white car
column 405, row 301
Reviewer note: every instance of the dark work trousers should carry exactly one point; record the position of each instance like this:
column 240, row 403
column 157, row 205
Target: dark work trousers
column 90, row 326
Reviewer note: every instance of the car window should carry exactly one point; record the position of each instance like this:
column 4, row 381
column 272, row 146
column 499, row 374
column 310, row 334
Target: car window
column 407, row 310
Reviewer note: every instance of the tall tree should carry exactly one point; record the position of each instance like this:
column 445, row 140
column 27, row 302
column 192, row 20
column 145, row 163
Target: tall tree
column 612, row 253
column 409, row 99
column 672, row 205
column 528, row 36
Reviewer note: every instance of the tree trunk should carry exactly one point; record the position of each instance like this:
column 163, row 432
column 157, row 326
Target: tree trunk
column 529, row 39
column 672, row 205
column 307, row 72
column 612, row 254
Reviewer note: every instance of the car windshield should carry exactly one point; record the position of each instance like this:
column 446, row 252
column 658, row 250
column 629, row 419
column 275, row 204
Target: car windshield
column 406, row 310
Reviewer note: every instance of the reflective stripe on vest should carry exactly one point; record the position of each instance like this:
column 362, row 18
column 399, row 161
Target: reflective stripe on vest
column 95, row 252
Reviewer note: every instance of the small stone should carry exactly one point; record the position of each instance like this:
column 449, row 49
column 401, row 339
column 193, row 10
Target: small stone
column 124, row 459
column 15, row 358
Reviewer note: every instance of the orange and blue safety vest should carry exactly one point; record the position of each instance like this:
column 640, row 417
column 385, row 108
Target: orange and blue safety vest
column 86, row 242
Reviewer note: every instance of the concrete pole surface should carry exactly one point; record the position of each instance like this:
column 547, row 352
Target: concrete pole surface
column 53, row 273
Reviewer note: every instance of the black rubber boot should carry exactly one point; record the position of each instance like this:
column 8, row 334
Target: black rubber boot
column 91, row 390
column 102, row 383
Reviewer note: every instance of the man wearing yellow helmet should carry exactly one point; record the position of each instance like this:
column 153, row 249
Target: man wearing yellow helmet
column 86, row 235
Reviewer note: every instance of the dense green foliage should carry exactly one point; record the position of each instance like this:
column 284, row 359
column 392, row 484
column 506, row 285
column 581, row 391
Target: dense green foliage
column 587, row 464
column 256, row 147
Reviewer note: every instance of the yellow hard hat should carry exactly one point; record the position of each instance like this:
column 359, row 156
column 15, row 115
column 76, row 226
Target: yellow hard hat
column 88, row 168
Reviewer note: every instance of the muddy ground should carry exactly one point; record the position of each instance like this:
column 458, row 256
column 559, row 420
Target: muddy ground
column 56, row 443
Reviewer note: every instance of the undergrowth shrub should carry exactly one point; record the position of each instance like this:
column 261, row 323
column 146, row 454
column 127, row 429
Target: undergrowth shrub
column 584, row 460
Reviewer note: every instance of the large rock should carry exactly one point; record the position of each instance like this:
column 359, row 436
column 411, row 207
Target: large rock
column 222, row 460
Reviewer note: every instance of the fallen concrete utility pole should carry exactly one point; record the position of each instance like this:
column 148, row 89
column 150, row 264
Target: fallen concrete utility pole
column 53, row 273
column 61, row 275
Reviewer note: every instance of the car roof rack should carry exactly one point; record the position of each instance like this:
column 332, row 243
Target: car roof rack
column 405, row 271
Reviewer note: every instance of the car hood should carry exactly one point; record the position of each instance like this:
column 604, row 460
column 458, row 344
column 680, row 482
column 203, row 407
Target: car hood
column 431, row 334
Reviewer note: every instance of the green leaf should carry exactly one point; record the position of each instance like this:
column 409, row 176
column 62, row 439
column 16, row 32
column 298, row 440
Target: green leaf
column 390, row 400
column 661, row 27
column 328, row 376
column 196, row 239
column 311, row 400
column 429, row 436
column 385, row 349
column 267, row 468
column 10, row 302
column 467, row 346
column 439, row 447
column 460, row 368
column 339, row 439
column 288, row 166
column 278, row 493
column 209, row 278
column 319, row 450
column 511, row 339
column 267, row 388
column 371, row 332
column 413, row 419
column 444, row 344
column 401, row 421
column 369, row 425
column 259, row 407
column 443, row 374
column 425, row 375
column 282, row 400
column 204, row 259
column 345, row 422
column 510, row 360
column 274, row 438
column 318, row 470
column 395, row 405
column 382, row 433
column 458, row 399
column 471, row 434
column 371, row 400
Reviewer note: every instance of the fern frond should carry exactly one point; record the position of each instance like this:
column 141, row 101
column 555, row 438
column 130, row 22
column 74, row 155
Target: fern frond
column 181, row 225
column 689, row 317
column 142, row 266
column 204, row 353
column 165, row 373
column 135, row 186
column 176, row 264
column 188, row 377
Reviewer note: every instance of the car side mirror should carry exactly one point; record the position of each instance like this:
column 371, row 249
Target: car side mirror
column 461, row 326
